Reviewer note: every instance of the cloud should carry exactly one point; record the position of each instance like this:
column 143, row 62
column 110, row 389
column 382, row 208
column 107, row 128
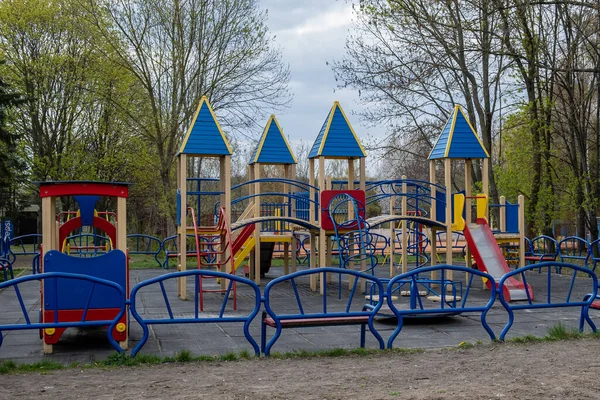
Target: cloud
column 310, row 34
column 331, row 20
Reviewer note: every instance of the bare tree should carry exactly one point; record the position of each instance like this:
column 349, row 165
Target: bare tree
column 180, row 50
column 413, row 60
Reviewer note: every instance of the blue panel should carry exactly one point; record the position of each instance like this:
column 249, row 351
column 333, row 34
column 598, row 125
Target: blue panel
column 340, row 141
column 73, row 293
column 205, row 137
column 314, row 152
column 439, row 151
column 86, row 208
column 512, row 217
column 465, row 143
column 440, row 209
column 274, row 149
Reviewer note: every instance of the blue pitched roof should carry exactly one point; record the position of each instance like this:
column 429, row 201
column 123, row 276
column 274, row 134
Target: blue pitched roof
column 205, row 136
column 458, row 139
column 273, row 147
column 337, row 139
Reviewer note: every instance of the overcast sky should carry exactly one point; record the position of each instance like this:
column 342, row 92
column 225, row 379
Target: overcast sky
column 311, row 33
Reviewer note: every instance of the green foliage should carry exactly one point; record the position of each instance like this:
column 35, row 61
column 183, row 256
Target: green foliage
column 9, row 366
column 183, row 356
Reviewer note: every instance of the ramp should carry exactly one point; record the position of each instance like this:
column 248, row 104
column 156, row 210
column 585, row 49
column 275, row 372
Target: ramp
column 489, row 258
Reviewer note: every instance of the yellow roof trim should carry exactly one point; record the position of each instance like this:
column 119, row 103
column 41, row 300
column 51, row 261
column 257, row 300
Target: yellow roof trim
column 440, row 136
column 285, row 139
column 474, row 131
column 262, row 139
column 203, row 100
column 324, row 138
column 451, row 133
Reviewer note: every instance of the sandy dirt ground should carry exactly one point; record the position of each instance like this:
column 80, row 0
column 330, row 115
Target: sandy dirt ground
column 561, row 370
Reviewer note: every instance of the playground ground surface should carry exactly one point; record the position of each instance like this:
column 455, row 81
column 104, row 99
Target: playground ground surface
column 551, row 370
column 558, row 369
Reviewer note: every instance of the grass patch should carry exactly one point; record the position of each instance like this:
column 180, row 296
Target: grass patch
column 183, row 356
column 555, row 333
column 10, row 367
column 140, row 261
column 561, row 332
column 465, row 345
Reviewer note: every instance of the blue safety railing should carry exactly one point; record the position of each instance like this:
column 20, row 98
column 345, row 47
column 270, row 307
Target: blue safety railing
column 196, row 316
column 574, row 248
column 170, row 248
column 453, row 298
column 418, row 194
column 330, row 308
column 138, row 244
column 87, row 245
column 289, row 198
column 416, row 245
column 546, row 299
column 35, row 265
column 24, row 245
column 52, row 278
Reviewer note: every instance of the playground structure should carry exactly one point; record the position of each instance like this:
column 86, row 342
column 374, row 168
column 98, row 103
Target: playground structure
column 418, row 215
column 70, row 300
column 335, row 221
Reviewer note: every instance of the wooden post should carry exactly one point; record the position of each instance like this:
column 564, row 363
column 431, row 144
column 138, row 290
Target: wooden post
column 502, row 211
column 294, row 243
column 485, row 182
column 313, row 249
column 404, row 226
column 257, row 226
column 121, row 224
column 363, row 186
column 251, row 256
column 521, row 202
column 448, row 183
column 225, row 199
column 392, row 236
column 433, row 213
column 182, row 226
column 48, row 243
column 285, row 225
column 468, row 191
column 322, row 233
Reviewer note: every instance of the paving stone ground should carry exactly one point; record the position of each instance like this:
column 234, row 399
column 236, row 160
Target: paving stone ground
column 85, row 346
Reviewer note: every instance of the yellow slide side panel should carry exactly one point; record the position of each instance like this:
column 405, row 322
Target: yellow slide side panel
column 244, row 251
column 482, row 204
column 459, row 206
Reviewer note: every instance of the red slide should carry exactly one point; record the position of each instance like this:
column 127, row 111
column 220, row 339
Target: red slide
column 489, row 258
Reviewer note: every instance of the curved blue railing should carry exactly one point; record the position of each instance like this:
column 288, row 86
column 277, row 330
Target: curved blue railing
column 292, row 182
column 88, row 244
column 198, row 316
column 305, row 312
column 449, row 303
column 548, row 300
column 169, row 246
column 145, row 245
column 51, row 278
column 20, row 245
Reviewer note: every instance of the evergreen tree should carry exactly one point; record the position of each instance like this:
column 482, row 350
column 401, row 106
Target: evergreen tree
column 11, row 165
